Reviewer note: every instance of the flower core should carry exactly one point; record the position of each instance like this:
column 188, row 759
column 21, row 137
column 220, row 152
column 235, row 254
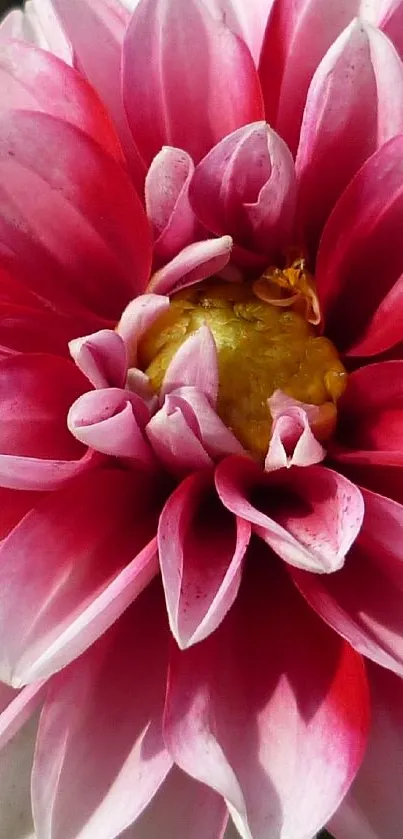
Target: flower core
column 261, row 348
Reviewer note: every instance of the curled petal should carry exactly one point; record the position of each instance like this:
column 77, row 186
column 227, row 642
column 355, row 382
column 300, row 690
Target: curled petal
column 174, row 45
column 195, row 363
column 310, row 517
column 246, row 187
column 137, row 317
column 201, row 567
column 167, row 203
column 292, row 442
column 195, row 263
column 356, row 92
column 101, row 357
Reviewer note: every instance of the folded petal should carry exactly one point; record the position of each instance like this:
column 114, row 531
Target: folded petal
column 86, row 199
column 354, row 105
column 310, row 517
column 201, row 567
column 246, row 187
column 70, row 568
column 196, row 364
column 358, row 262
column 177, row 45
column 363, row 601
column 102, row 358
column 292, row 442
column 100, row 739
column 33, row 79
column 194, row 263
column 271, row 711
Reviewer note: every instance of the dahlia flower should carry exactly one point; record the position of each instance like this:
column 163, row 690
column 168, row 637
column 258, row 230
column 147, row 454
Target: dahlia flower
column 201, row 422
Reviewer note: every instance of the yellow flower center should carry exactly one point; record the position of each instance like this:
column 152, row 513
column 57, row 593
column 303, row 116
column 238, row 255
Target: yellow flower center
column 261, row 347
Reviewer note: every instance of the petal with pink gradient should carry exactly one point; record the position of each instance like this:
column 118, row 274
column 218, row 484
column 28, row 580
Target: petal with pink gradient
column 14, row 505
column 99, row 59
column 201, row 550
column 271, row 711
column 354, row 105
column 245, row 186
column 37, row 24
column 167, row 203
column 70, row 568
column 358, row 261
column 373, row 807
column 194, row 263
column 362, row 602
column 177, row 47
column 95, row 710
column 389, row 18
column 370, row 416
column 33, row 79
column 86, row 199
column 298, row 34
column 137, row 317
column 17, row 707
column 248, row 20
column 292, row 442
column 102, row 358
column 194, row 364
column 15, row 777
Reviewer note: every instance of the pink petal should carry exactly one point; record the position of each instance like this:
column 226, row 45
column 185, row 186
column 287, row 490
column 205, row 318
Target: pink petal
column 194, row 263
column 370, row 416
column 217, row 439
column 310, row 517
column 86, row 199
column 373, row 806
column 271, row 711
column 201, row 567
column 137, row 317
column 18, row 708
column 181, row 808
column 37, row 24
column 172, row 432
column 246, row 187
column 32, row 79
column 247, row 20
column 179, row 46
column 389, row 18
column 358, row 262
column 14, row 505
column 111, row 421
column 97, row 532
column 292, row 442
column 385, row 329
column 101, row 357
column 98, row 57
column 297, row 37
column 34, row 331
column 363, row 601
column 354, row 105
column 167, row 203
column 100, row 740
column 196, row 364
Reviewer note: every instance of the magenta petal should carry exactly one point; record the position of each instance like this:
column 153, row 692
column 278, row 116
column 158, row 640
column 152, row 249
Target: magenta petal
column 354, row 105
column 194, row 263
column 167, row 203
column 87, row 199
column 137, row 317
column 310, row 517
column 178, row 46
column 101, row 357
column 95, row 709
column 98, row 531
column 363, row 601
column 385, row 329
column 358, row 261
column 389, row 18
column 196, row 364
column 292, row 442
column 32, row 79
column 271, row 710
column 201, row 566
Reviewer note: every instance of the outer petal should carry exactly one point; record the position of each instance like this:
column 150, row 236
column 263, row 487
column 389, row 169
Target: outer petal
column 363, row 601
column 15, row 779
column 248, row 20
column 201, row 567
column 196, row 364
column 195, row 263
column 176, row 45
column 271, row 711
column 370, row 416
column 246, row 187
column 310, row 516
column 354, row 105
column 34, row 331
column 37, row 24
column 100, row 740
column 358, row 261
column 70, row 568
column 35, row 80
column 373, row 807
column 389, row 17
column 98, row 57
column 87, row 199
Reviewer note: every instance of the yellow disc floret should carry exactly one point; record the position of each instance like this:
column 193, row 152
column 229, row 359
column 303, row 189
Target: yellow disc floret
column 261, row 348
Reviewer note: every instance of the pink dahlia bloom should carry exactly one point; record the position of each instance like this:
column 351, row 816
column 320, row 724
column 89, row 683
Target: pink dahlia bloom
column 201, row 416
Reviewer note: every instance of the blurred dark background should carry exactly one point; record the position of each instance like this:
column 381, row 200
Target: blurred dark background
column 8, row 4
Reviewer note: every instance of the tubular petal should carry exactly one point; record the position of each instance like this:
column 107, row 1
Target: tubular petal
column 354, row 105
column 91, row 531
column 94, row 709
column 201, row 568
column 176, row 46
column 310, row 517
column 292, row 442
column 195, row 364
column 194, row 263
column 271, row 711
column 102, row 358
